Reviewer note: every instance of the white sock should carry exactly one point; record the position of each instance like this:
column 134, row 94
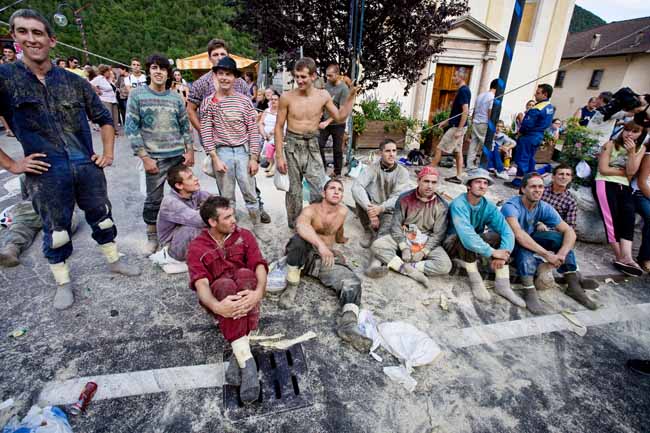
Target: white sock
column 504, row 272
column 351, row 307
column 242, row 350
column 471, row 267
column 110, row 252
column 61, row 273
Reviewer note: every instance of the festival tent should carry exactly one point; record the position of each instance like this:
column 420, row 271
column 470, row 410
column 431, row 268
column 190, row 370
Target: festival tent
column 199, row 64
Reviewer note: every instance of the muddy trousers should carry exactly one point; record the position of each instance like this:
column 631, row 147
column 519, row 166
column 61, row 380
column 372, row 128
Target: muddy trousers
column 233, row 329
column 303, row 161
column 385, row 221
column 54, row 194
column 527, row 261
column 437, row 262
column 156, row 188
column 457, row 250
column 25, row 226
column 339, row 277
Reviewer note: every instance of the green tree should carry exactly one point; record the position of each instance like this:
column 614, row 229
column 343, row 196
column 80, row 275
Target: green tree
column 126, row 28
column 400, row 36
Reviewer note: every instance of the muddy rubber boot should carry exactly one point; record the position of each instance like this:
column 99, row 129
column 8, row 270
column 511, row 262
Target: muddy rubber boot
column 502, row 287
column 9, row 256
column 478, row 287
column 588, row 283
column 367, row 238
column 261, row 233
column 532, row 301
column 233, row 375
column 544, row 279
column 376, row 268
column 265, row 218
column 123, row 268
column 288, row 297
column 152, row 240
column 409, row 270
column 63, row 298
column 578, row 293
column 249, row 390
column 349, row 331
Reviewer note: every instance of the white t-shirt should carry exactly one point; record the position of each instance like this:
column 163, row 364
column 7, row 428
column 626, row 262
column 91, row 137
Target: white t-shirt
column 483, row 104
column 132, row 81
column 602, row 129
column 108, row 94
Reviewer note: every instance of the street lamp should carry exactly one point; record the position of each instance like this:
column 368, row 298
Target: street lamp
column 61, row 20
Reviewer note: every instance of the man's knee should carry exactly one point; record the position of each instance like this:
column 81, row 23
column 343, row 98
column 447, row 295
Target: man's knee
column 246, row 279
column 297, row 250
column 223, row 287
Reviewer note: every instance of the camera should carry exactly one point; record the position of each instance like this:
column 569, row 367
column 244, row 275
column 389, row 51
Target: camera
column 625, row 99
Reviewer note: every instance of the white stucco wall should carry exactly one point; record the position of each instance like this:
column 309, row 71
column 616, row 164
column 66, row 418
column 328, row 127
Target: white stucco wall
column 528, row 62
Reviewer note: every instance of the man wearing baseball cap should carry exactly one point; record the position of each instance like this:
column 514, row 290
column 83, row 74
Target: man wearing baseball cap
column 471, row 213
column 414, row 245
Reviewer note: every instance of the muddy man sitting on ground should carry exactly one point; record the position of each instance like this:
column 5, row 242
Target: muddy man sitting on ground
column 318, row 227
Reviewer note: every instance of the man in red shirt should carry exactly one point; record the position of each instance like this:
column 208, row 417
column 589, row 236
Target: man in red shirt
column 228, row 273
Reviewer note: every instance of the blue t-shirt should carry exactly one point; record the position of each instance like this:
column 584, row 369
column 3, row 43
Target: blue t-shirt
column 543, row 212
column 464, row 96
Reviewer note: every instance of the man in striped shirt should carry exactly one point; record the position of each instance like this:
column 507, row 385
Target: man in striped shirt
column 230, row 136
column 204, row 87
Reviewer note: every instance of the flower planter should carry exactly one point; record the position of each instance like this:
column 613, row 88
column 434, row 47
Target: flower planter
column 375, row 133
column 544, row 154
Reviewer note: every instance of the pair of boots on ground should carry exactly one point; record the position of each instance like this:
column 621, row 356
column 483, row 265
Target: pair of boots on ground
column 347, row 330
column 64, row 297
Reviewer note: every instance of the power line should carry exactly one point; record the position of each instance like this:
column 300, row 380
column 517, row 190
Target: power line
column 116, row 62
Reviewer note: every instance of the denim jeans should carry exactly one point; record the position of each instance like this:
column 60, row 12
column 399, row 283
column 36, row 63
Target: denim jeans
column 642, row 205
column 526, row 261
column 54, row 194
column 493, row 158
column 236, row 160
column 156, row 188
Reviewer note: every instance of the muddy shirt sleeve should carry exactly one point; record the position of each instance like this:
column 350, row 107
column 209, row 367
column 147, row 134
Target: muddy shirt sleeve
column 95, row 110
column 396, row 226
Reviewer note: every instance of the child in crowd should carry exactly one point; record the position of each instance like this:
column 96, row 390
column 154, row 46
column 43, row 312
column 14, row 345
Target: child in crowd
column 500, row 142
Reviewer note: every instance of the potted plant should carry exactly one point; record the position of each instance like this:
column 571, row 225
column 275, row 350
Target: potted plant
column 375, row 123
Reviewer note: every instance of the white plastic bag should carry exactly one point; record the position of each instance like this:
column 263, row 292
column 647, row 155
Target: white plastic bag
column 281, row 181
column 143, row 177
column 50, row 419
column 411, row 346
column 207, row 167
column 277, row 278
column 583, row 170
column 356, row 170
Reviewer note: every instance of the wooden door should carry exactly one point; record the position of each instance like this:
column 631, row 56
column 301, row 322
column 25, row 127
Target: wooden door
column 444, row 90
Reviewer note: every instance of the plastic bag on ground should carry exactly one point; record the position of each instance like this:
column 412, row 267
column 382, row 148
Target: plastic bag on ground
column 50, row 419
column 368, row 327
column 277, row 278
column 168, row 264
column 281, row 181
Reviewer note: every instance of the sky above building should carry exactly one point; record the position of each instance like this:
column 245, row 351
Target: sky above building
column 616, row 10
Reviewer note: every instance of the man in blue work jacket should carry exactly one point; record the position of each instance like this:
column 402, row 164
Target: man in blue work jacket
column 48, row 110
column 531, row 132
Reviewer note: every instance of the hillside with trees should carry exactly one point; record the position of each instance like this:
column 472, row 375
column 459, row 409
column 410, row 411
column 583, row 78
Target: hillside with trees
column 583, row 20
column 126, row 28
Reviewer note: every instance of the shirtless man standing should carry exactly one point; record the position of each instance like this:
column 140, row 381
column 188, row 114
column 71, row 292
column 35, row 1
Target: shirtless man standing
column 318, row 227
column 301, row 109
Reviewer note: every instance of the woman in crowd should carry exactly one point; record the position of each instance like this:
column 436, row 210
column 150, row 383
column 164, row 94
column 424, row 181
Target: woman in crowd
column 266, row 125
column 585, row 113
column 555, row 129
column 179, row 85
column 520, row 117
column 618, row 163
column 106, row 91
column 249, row 77
column 641, row 187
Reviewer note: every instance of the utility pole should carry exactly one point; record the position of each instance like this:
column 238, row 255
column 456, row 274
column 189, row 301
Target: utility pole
column 508, row 54
column 355, row 45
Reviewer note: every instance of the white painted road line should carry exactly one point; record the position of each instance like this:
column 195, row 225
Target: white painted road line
column 212, row 375
column 489, row 334
column 135, row 383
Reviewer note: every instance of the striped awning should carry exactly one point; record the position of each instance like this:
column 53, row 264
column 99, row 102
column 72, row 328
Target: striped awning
column 201, row 61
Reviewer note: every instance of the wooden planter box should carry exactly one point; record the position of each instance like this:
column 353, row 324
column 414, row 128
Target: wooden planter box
column 544, row 154
column 375, row 134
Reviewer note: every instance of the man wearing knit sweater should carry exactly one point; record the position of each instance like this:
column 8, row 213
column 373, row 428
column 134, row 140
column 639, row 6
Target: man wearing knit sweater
column 375, row 192
column 159, row 131
column 414, row 245
column 471, row 213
